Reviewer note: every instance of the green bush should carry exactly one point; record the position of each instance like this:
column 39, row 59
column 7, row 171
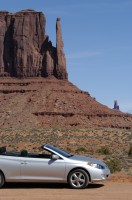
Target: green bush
column 114, row 165
column 104, row 150
column 81, row 149
column 130, row 151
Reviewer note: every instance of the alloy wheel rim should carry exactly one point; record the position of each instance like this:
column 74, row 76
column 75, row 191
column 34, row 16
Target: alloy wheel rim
column 78, row 179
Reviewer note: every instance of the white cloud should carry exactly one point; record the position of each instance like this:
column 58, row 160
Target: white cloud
column 82, row 55
column 56, row 12
column 127, row 107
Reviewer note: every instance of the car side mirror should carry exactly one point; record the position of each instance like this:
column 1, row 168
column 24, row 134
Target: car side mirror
column 54, row 157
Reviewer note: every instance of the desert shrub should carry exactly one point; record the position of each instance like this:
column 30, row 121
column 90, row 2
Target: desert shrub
column 104, row 150
column 81, row 149
column 130, row 151
column 114, row 165
column 68, row 150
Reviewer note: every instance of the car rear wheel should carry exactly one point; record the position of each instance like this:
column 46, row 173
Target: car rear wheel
column 78, row 179
column 2, row 180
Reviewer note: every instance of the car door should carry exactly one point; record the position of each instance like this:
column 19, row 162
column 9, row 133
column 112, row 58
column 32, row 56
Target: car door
column 10, row 165
column 43, row 169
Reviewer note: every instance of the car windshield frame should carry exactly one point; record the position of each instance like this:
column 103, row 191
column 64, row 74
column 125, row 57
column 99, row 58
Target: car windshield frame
column 62, row 153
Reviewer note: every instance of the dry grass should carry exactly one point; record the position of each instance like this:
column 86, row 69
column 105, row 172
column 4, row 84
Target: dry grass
column 77, row 141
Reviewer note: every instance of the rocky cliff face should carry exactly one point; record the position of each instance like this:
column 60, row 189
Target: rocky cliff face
column 25, row 49
column 61, row 61
column 34, row 103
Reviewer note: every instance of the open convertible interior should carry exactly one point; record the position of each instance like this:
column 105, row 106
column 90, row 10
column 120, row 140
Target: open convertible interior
column 24, row 153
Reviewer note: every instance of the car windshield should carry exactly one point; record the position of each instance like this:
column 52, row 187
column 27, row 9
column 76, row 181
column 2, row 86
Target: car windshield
column 63, row 153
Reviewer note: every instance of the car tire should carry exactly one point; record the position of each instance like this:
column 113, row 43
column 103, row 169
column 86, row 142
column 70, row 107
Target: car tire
column 78, row 179
column 2, row 180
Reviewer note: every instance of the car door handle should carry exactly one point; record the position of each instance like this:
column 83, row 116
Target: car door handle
column 23, row 163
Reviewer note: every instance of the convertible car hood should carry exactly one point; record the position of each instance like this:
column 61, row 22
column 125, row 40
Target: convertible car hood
column 86, row 159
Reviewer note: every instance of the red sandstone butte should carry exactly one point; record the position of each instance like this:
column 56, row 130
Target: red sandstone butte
column 26, row 50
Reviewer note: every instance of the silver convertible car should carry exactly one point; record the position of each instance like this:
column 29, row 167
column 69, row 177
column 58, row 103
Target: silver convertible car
column 50, row 165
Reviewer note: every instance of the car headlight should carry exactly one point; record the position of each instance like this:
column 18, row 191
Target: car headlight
column 95, row 165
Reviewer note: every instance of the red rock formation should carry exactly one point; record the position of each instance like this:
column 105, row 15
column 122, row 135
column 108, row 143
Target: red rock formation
column 3, row 29
column 25, row 49
column 43, row 103
column 61, row 61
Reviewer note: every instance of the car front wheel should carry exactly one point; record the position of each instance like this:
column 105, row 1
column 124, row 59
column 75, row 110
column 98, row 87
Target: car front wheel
column 78, row 179
column 2, row 180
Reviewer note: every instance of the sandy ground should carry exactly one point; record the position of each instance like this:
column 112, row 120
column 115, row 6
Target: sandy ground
column 101, row 191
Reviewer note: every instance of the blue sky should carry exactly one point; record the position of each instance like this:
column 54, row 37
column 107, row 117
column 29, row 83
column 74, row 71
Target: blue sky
column 97, row 37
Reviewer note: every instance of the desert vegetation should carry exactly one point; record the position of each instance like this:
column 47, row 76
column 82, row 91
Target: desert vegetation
column 130, row 151
column 114, row 146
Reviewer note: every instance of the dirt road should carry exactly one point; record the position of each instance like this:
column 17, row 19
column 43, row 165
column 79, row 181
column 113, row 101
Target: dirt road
column 101, row 191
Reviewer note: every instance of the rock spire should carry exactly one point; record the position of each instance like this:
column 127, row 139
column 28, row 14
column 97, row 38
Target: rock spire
column 61, row 61
column 116, row 106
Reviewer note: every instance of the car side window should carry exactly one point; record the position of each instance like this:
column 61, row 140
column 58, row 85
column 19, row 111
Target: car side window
column 42, row 154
